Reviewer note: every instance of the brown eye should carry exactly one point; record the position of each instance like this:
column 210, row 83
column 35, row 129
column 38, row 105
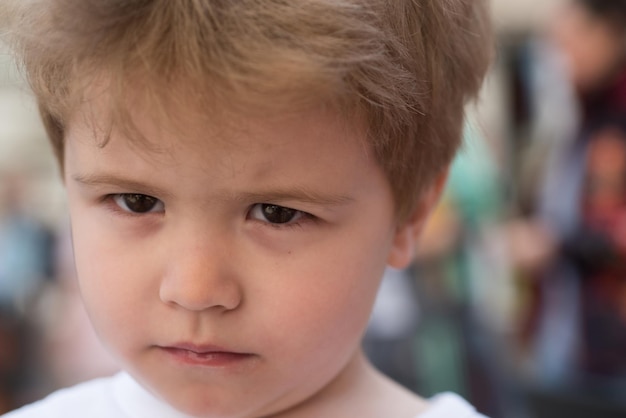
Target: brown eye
column 275, row 214
column 278, row 214
column 138, row 203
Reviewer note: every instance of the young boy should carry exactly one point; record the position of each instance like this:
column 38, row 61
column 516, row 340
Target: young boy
column 239, row 173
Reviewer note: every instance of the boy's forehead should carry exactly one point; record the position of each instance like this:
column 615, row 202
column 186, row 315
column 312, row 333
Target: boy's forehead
column 156, row 127
column 280, row 155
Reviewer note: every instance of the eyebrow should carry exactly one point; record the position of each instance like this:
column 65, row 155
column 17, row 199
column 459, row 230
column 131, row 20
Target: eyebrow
column 112, row 180
column 298, row 194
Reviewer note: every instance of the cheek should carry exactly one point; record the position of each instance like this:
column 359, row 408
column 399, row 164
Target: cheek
column 109, row 274
column 334, row 291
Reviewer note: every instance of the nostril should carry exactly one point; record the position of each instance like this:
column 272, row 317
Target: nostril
column 200, row 293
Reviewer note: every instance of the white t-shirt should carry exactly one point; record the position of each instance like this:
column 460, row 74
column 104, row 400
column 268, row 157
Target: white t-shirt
column 450, row 405
column 121, row 397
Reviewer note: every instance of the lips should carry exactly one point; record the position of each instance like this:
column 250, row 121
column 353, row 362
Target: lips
column 206, row 355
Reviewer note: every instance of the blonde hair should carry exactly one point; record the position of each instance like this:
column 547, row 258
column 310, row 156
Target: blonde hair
column 408, row 67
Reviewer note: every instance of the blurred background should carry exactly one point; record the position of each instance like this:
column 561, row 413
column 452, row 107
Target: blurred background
column 517, row 297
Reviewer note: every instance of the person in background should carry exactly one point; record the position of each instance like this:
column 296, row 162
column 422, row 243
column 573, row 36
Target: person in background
column 578, row 235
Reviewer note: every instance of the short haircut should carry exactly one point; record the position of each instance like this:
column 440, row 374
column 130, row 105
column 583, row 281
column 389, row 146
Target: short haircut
column 407, row 68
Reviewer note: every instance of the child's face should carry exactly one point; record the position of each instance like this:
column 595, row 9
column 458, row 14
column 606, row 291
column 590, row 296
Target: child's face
column 198, row 278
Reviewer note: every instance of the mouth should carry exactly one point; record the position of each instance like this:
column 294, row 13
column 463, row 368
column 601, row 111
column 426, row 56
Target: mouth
column 206, row 355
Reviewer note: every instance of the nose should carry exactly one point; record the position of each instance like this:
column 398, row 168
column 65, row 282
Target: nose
column 201, row 274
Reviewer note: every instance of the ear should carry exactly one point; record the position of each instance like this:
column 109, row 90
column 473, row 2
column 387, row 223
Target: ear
column 408, row 232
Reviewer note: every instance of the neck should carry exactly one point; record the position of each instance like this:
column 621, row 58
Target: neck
column 359, row 390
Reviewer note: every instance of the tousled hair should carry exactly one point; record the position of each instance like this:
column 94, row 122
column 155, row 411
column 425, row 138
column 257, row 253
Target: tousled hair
column 406, row 67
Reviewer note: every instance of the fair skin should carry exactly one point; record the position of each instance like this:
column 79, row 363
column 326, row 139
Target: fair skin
column 591, row 45
column 211, row 293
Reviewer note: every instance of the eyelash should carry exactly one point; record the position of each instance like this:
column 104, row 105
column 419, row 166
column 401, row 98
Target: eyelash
column 110, row 201
column 303, row 217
